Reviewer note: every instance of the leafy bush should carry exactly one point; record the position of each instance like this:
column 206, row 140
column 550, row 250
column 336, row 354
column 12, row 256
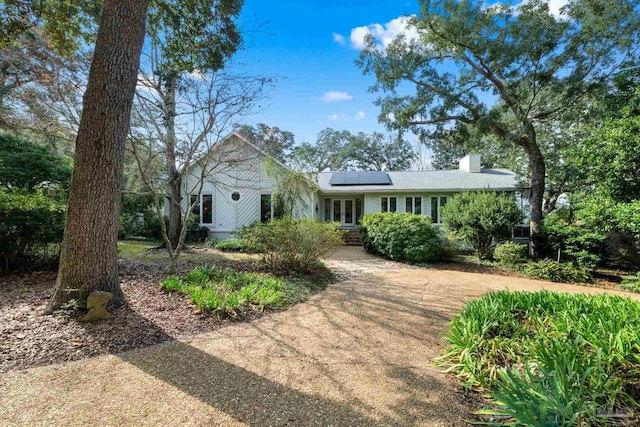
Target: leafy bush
column 292, row 244
column 480, row 218
column 236, row 245
column 510, row 253
column 401, row 236
column 29, row 221
column 369, row 225
column 631, row 283
column 554, row 271
column 25, row 164
column 548, row 358
column 226, row 292
column 575, row 241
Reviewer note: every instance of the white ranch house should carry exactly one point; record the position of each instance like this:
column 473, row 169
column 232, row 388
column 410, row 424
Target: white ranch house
column 237, row 190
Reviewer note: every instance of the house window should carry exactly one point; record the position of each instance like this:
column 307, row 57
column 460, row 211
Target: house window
column 413, row 205
column 436, row 204
column 207, row 209
column 388, row 204
column 195, row 202
column 265, row 207
column 327, row 210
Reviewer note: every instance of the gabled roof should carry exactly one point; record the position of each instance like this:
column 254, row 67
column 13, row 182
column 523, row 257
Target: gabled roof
column 429, row 181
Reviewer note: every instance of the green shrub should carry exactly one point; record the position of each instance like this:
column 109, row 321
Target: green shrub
column 575, row 241
column 26, row 164
column 556, row 272
column 226, row 292
column 402, row 237
column 510, row 253
column 369, row 225
column 631, row 283
column 236, row 245
column 292, row 244
column 548, row 358
column 29, row 221
column 480, row 218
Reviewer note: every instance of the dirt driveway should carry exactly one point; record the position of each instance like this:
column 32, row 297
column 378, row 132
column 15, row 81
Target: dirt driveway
column 357, row 354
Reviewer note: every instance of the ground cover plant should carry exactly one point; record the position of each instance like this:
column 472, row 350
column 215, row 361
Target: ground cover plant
column 547, row 269
column 401, row 237
column 235, row 245
column 224, row 292
column 550, row 359
column 631, row 283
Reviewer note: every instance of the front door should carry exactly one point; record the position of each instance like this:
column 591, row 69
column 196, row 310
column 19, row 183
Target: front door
column 344, row 212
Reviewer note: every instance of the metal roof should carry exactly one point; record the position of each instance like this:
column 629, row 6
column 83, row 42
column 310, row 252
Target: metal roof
column 359, row 178
column 427, row 181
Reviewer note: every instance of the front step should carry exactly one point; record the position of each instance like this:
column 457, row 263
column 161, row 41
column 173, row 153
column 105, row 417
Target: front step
column 351, row 238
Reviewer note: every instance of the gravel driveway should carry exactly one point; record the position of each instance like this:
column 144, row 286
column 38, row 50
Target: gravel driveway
column 357, row 354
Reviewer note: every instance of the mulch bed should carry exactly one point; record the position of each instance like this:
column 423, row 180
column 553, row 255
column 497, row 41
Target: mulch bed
column 28, row 338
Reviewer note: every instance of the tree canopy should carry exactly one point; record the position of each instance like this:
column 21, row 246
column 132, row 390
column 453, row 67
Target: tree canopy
column 501, row 69
column 276, row 142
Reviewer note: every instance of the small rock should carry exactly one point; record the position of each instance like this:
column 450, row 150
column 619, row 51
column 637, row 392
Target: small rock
column 97, row 306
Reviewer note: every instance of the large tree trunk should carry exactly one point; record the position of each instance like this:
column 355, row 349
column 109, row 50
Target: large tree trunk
column 88, row 258
column 538, row 173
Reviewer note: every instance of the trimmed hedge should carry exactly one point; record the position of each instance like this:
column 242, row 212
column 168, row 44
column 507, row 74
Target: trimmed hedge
column 401, row 237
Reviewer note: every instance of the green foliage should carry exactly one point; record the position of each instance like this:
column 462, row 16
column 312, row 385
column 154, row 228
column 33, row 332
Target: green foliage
column 326, row 153
column 554, row 271
column 369, row 225
column 576, row 241
column 290, row 190
column 550, row 359
column 510, row 253
column 271, row 139
column 402, row 237
column 194, row 35
column 293, row 245
column 481, row 218
column 26, row 164
column 631, row 283
column 376, row 151
column 29, row 221
column 236, row 245
column 226, row 292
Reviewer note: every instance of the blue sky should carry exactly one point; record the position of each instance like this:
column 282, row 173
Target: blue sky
column 296, row 43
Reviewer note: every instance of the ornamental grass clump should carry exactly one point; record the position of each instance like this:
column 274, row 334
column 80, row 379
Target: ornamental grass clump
column 550, row 359
column 226, row 292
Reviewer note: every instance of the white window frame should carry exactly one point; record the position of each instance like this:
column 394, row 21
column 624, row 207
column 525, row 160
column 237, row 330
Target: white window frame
column 438, row 209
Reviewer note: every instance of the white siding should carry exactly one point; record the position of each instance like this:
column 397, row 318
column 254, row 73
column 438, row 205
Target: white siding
column 372, row 201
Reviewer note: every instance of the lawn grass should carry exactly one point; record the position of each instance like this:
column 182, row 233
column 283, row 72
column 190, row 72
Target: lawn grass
column 550, row 359
column 224, row 292
column 146, row 250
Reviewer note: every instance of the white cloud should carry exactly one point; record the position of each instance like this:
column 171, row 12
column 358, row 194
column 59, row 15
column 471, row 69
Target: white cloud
column 333, row 96
column 338, row 38
column 342, row 116
column 384, row 34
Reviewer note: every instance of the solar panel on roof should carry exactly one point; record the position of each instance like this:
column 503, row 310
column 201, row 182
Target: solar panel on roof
column 359, row 178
